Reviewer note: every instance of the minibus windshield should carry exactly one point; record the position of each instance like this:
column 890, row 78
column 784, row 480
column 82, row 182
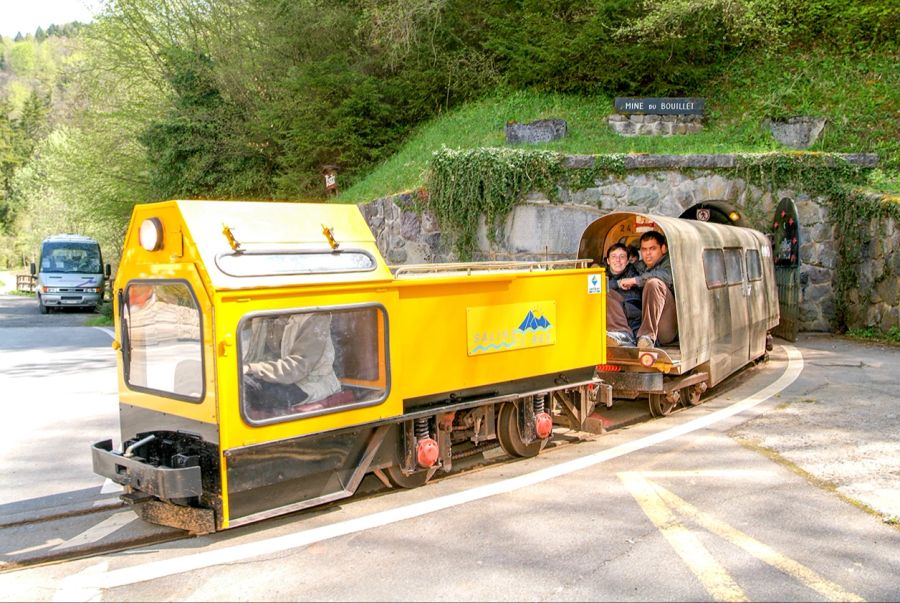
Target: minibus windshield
column 71, row 257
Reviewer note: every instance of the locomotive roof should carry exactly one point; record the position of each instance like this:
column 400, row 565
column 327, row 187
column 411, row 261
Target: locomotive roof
column 243, row 245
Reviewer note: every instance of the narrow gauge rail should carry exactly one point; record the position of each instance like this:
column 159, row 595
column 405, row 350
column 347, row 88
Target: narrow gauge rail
column 397, row 373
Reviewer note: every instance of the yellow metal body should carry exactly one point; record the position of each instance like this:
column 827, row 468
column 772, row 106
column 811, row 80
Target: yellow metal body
column 446, row 332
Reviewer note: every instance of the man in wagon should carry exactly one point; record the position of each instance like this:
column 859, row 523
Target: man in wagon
column 659, row 322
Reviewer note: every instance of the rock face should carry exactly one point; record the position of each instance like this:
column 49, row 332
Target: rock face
column 796, row 132
column 542, row 130
column 666, row 185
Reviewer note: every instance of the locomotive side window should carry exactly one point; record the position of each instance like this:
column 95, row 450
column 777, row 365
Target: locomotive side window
column 734, row 266
column 164, row 352
column 754, row 267
column 714, row 268
column 312, row 362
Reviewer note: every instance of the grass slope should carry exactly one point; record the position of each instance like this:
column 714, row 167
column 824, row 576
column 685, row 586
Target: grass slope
column 859, row 95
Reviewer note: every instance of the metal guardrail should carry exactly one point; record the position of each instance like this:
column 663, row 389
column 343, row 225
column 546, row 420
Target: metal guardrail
column 470, row 267
column 25, row 282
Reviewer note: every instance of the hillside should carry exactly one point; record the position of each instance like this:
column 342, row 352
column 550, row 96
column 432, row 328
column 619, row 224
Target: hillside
column 859, row 95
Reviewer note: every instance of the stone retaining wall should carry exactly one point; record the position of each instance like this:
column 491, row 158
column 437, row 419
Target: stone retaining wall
column 665, row 185
column 655, row 125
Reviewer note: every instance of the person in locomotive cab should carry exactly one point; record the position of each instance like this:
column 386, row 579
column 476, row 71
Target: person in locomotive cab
column 619, row 267
column 288, row 360
column 659, row 321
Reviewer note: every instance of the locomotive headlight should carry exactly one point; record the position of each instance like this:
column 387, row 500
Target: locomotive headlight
column 151, row 234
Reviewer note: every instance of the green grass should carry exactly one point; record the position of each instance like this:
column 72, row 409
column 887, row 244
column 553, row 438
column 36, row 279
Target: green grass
column 859, row 95
column 891, row 336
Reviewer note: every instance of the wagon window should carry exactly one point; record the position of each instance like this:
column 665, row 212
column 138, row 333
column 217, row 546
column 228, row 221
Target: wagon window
column 163, row 348
column 734, row 266
column 309, row 363
column 754, row 267
column 714, row 268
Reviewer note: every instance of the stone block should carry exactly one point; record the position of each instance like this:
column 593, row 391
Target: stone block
column 624, row 128
column 889, row 289
column 817, row 275
column 410, row 225
column 796, row 132
column 542, row 130
column 542, row 229
column 576, row 162
column 642, row 195
column 587, row 196
column 396, row 256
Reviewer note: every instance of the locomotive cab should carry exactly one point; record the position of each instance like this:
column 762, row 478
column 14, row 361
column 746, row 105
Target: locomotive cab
column 269, row 359
column 725, row 300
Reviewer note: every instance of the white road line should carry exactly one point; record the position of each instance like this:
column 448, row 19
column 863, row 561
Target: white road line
column 169, row 567
column 113, row 523
column 107, row 330
column 109, row 487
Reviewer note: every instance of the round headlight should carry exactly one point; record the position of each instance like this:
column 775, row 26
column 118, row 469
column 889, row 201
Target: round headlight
column 151, row 234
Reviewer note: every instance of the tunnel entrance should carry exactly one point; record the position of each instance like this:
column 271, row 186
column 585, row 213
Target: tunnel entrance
column 717, row 212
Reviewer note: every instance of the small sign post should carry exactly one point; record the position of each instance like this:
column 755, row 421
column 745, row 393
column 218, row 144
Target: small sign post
column 330, row 174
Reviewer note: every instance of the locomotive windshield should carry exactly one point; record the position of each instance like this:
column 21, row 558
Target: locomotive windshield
column 161, row 324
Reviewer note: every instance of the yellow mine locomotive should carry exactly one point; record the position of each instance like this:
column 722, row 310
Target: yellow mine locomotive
column 268, row 359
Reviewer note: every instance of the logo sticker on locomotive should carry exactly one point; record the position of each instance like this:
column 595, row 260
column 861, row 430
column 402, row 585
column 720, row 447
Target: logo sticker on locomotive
column 595, row 283
column 492, row 329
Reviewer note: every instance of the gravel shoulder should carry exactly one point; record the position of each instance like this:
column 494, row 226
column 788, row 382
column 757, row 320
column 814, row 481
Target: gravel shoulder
column 839, row 423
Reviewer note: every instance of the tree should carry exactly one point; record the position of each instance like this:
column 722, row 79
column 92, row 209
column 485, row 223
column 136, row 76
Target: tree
column 18, row 37
column 39, row 34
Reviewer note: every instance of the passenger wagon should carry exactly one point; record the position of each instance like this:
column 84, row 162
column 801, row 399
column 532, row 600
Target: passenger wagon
column 726, row 302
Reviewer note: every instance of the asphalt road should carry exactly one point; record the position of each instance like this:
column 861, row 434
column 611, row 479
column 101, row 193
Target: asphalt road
column 58, row 386
column 730, row 500
column 17, row 311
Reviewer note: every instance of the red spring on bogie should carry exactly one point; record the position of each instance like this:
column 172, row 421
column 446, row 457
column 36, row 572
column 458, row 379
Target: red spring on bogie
column 543, row 425
column 426, row 452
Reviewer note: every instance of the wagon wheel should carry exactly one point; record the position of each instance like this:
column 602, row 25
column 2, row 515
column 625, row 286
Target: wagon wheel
column 399, row 480
column 662, row 405
column 693, row 395
column 511, row 437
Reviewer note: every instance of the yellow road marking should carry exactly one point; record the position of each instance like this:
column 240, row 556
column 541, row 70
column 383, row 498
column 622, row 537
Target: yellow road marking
column 656, row 497
column 715, row 579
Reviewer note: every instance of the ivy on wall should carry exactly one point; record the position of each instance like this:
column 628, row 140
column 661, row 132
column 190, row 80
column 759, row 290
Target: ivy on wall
column 466, row 185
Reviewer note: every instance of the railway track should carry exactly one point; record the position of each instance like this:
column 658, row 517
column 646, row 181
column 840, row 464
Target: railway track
column 109, row 525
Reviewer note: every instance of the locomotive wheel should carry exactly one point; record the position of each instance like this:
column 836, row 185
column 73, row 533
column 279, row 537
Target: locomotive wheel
column 662, row 405
column 511, row 437
column 398, row 480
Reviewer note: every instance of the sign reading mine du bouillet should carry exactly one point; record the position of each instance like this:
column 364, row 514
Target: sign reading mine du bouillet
column 659, row 106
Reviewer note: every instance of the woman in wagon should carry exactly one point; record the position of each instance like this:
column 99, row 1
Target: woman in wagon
column 619, row 267
column 659, row 321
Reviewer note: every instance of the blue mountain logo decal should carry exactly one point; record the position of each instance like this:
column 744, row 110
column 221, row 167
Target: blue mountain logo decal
column 533, row 324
